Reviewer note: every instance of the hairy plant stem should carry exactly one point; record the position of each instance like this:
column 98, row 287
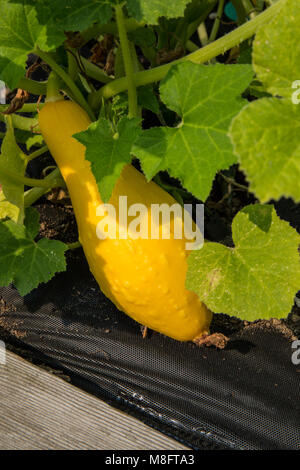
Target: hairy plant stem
column 128, row 62
column 93, row 71
column 26, row 108
column 234, row 183
column 202, row 34
column 53, row 87
column 22, row 123
column 72, row 64
column 34, row 87
column 74, row 246
column 216, row 26
column 53, row 180
column 220, row 46
column 249, row 7
column 39, row 183
column 37, row 153
column 67, row 79
column 191, row 46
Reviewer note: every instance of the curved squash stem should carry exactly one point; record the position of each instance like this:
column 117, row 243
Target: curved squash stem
column 67, row 79
column 21, row 122
column 53, row 87
column 72, row 64
column 53, row 180
column 37, row 153
column 34, row 87
column 128, row 63
column 93, row 71
column 74, row 246
column 26, row 108
column 39, row 183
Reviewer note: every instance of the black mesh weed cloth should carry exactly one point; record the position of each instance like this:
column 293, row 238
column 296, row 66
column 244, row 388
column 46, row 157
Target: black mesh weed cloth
column 246, row 396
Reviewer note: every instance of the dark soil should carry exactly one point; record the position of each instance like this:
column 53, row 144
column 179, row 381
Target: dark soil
column 57, row 221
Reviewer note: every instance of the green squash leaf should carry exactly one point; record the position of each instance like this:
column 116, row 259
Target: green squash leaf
column 276, row 51
column 266, row 138
column 265, row 134
column 150, row 12
column 74, row 15
column 206, row 98
column 256, row 279
column 25, row 262
column 109, row 151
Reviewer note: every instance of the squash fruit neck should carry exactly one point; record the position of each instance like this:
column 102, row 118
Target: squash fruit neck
column 53, row 87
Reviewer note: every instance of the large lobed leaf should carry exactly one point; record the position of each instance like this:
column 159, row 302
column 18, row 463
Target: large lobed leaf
column 265, row 134
column 259, row 277
column 206, row 98
column 25, row 262
column 266, row 138
column 276, row 51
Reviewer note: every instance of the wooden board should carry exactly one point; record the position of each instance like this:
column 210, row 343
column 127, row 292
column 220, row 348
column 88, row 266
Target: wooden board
column 41, row 411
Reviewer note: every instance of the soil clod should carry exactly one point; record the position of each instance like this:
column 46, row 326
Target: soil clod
column 218, row 340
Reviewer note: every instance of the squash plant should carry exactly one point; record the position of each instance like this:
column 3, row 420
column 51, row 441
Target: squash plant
column 209, row 115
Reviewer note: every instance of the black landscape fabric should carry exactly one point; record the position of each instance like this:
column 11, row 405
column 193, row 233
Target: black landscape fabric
column 243, row 397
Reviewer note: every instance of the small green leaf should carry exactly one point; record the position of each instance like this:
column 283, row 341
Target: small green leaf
column 109, row 151
column 256, row 279
column 143, row 10
column 74, row 15
column 265, row 135
column 25, row 262
column 276, row 52
column 206, row 98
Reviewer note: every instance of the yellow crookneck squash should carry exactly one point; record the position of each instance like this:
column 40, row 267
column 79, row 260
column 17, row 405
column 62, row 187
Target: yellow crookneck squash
column 145, row 278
